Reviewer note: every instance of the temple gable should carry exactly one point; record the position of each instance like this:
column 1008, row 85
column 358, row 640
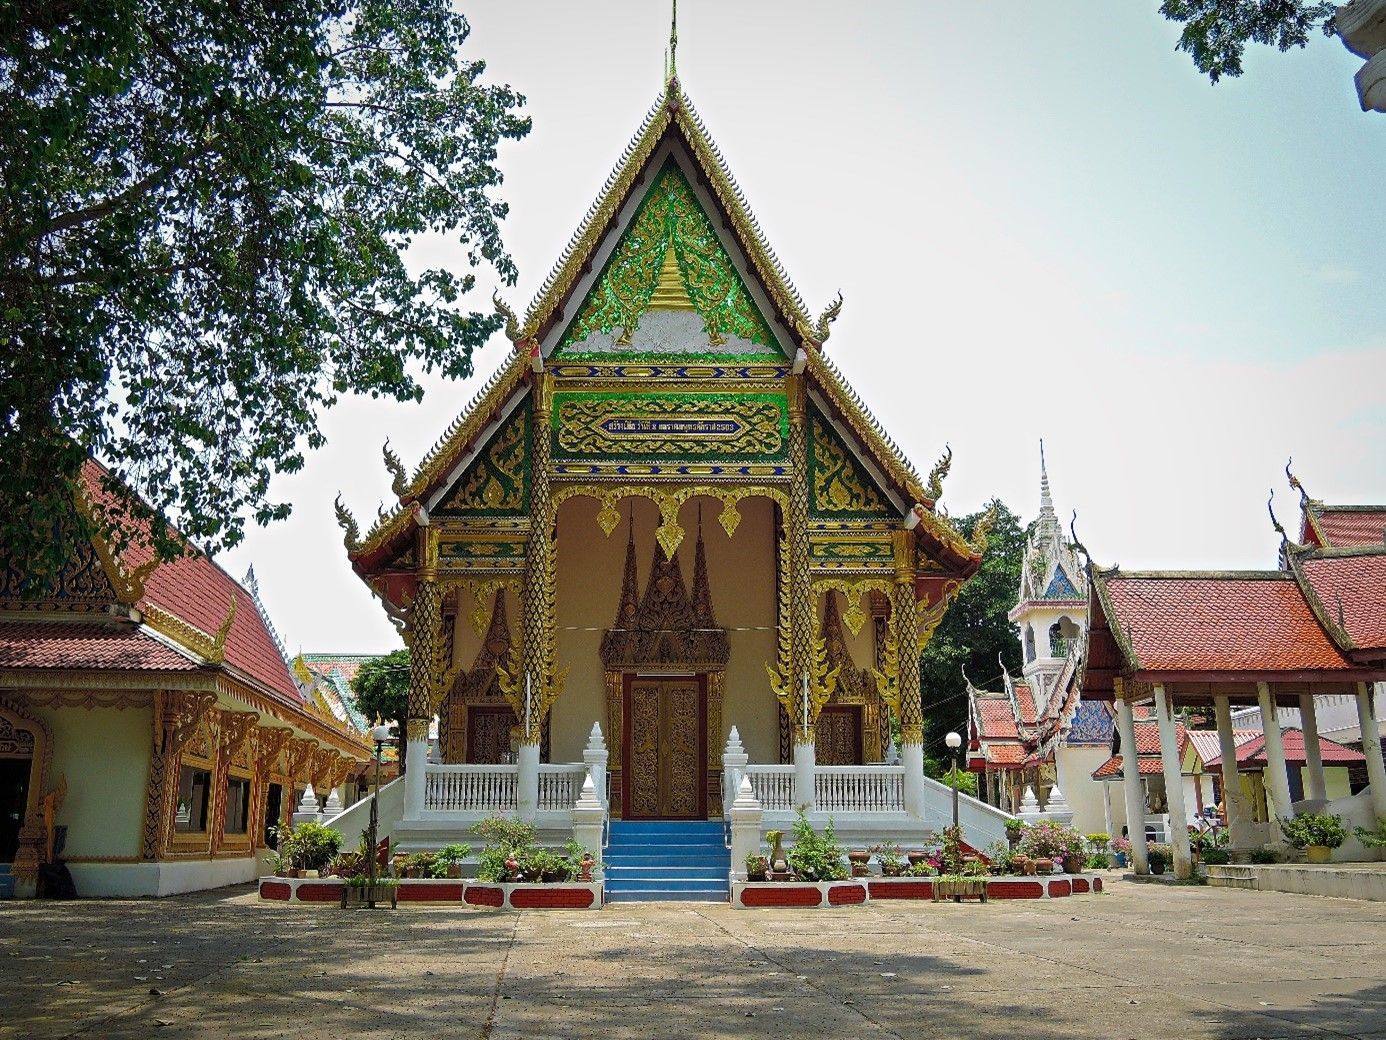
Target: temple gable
column 839, row 485
column 496, row 483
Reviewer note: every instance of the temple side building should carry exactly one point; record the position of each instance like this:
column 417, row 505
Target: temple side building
column 669, row 517
column 151, row 732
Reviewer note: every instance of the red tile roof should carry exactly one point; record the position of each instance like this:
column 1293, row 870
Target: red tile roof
column 1344, row 526
column 199, row 592
column 1005, row 754
column 998, row 720
column 1112, row 767
column 1253, row 752
column 1025, row 701
column 1352, row 589
column 1240, row 622
column 86, row 645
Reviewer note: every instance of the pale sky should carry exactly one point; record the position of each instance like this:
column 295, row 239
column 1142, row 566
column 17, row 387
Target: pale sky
column 1045, row 223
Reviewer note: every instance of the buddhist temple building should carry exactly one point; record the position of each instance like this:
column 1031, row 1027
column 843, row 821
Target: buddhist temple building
column 1312, row 628
column 151, row 732
column 1037, row 733
column 666, row 516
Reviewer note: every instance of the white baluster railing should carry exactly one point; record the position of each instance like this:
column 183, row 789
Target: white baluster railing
column 489, row 788
column 773, row 785
column 560, row 785
column 859, row 789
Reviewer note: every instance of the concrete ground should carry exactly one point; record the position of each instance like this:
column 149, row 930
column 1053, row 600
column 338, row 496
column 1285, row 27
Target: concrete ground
column 1140, row 961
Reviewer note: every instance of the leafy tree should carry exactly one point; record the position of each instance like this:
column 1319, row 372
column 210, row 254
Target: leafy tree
column 381, row 690
column 1216, row 32
column 206, row 209
column 972, row 635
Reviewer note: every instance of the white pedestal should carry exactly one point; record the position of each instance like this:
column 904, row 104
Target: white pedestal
column 805, row 760
column 527, row 782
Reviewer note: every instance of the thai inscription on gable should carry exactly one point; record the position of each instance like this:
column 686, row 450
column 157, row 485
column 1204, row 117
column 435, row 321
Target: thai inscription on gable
column 620, row 425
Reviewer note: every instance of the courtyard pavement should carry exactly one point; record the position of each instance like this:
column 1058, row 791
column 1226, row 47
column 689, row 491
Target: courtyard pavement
column 1141, row 961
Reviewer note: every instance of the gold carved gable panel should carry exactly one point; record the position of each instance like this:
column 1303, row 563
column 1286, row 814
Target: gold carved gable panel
column 497, row 481
column 839, row 485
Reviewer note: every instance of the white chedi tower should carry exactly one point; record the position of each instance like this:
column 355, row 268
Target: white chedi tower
column 1051, row 612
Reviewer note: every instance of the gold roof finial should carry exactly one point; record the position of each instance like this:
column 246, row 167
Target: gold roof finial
column 673, row 75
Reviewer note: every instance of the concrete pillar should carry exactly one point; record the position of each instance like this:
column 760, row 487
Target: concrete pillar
column 415, row 778
column 1135, row 791
column 1313, row 754
column 745, row 828
column 527, row 782
column 1276, row 772
column 1234, row 802
column 1174, row 784
column 734, row 760
column 595, row 755
column 1371, row 748
column 588, row 817
column 1107, row 808
column 912, row 762
column 805, row 762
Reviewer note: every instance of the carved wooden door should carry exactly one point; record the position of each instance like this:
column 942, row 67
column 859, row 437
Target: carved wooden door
column 664, row 775
column 488, row 734
column 837, row 737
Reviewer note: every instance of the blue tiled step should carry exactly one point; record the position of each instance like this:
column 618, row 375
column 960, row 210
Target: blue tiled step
column 667, row 859
column 617, row 872
column 666, row 896
column 6, row 882
column 659, row 859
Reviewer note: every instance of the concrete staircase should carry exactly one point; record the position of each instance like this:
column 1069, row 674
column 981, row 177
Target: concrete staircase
column 650, row 860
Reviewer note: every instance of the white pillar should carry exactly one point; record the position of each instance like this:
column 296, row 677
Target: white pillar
column 745, row 828
column 595, row 755
column 527, row 782
column 734, row 760
column 1174, row 784
column 1135, row 792
column 1371, row 748
column 588, row 817
column 912, row 762
column 415, row 778
column 805, row 761
column 1275, row 753
column 1107, row 808
column 1233, row 800
column 1313, row 754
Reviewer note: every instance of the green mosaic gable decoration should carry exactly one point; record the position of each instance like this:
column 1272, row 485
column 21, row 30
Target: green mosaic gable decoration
column 839, row 485
column 669, row 216
column 497, row 481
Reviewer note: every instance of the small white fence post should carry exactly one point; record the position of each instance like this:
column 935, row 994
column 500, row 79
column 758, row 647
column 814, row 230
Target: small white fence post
column 595, row 755
column 588, row 818
column 734, row 759
column 745, row 828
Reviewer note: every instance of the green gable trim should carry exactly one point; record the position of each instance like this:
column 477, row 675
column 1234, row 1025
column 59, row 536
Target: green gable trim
column 497, row 481
column 670, row 215
column 607, row 426
column 839, row 485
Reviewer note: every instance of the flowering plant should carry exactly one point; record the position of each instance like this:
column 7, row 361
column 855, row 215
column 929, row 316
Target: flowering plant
column 1049, row 840
column 1121, row 845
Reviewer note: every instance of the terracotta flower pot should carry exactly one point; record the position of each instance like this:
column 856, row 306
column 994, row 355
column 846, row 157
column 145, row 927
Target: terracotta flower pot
column 454, row 870
column 1318, row 854
column 1043, row 866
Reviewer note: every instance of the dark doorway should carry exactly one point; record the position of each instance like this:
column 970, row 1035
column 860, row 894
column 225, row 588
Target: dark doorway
column 274, row 806
column 14, row 797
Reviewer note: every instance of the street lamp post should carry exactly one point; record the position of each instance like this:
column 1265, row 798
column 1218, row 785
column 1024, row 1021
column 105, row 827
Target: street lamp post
column 954, row 742
column 380, row 733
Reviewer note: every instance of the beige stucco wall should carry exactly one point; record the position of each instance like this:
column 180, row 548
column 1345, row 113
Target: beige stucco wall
column 104, row 753
column 742, row 574
column 1083, row 793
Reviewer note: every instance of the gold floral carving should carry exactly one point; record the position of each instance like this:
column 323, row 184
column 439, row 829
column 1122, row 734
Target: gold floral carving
column 724, row 427
column 854, row 590
column 838, row 486
column 176, row 717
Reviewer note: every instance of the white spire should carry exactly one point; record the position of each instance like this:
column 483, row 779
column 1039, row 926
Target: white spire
column 1046, row 503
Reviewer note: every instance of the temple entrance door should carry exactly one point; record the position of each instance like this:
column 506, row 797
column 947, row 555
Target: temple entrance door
column 14, row 797
column 838, row 738
column 665, row 740
column 488, row 733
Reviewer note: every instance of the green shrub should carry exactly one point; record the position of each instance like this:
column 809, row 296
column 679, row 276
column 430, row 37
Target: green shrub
column 1313, row 828
column 1097, row 861
column 310, row 846
column 1264, row 855
column 505, row 840
column 1216, row 856
column 454, row 853
column 962, row 780
column 1049, row 840
column 816, row 857
column 1373, row 839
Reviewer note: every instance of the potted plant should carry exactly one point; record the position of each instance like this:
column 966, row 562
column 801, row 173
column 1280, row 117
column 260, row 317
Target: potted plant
column 1318, row 834
column 916, row 856
column 779, row 865
column 816, row 857
column 860, row 858
column 510, row 845
column 451, row 857
column 358, row 889
column 888, row 855
column 1121, row 848
column 1043, row 865
column 1264, row 854
column 757, row 866
column 1158, row 855
column 314, row 847
column 1015, row 830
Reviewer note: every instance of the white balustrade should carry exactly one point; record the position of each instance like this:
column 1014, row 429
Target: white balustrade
column 488, row 788
column 859, row 789
column 773, row 786
column 560, row 785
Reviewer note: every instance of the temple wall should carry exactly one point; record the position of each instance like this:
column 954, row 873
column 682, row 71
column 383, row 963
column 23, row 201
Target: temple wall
column 742, row 574
column 1084, row 794
column 104, row 753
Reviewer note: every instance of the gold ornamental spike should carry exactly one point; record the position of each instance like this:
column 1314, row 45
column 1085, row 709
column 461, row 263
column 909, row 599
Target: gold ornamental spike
column 670, row 294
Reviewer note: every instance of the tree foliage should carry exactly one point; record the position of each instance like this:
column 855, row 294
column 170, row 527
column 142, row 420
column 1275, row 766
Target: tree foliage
column 974, row 634
column 1216, row 32
column 381, row 691
column 206, row 209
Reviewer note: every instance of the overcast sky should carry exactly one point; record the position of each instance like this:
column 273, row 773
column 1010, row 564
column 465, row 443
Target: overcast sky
column 1045, row 223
